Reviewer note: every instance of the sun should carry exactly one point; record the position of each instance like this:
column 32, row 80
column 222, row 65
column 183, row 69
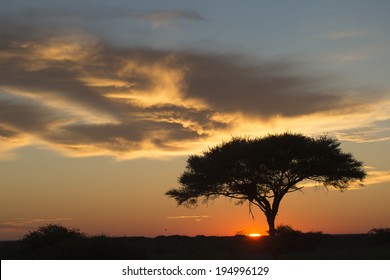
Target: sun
column 254, row 235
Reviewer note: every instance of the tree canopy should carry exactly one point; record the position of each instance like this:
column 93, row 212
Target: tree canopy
column 262, row 170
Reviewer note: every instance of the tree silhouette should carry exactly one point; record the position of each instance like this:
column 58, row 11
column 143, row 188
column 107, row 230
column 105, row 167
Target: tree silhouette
column 263, row 170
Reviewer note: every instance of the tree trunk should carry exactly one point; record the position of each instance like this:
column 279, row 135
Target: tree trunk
column 271, row 224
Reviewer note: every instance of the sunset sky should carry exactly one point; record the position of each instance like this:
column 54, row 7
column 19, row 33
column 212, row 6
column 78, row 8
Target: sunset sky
column 101, row 102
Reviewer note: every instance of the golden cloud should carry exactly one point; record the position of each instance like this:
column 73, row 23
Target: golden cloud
column 188, row 217
column 83, row 97
column 377, row 177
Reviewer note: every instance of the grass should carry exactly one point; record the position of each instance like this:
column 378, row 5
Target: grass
column 306, row 246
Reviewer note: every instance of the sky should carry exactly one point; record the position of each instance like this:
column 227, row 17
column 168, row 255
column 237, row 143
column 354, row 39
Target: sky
column 101, row 103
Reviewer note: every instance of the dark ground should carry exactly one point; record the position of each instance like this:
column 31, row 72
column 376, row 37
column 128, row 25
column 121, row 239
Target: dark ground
column 309, row 246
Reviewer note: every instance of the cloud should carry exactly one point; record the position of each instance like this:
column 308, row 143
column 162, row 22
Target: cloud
column 80, row 13
column 194, row 218
column 374, row 177
column 341, row 34
column 364, row 135
column 265, row 89
column 6, row 133
column 123, row 138
column 377, row 177
column 188, row 217
column 18, row 224
column 78, row 95
column 10, row 140
column 26, row 118
column 101, row 13
column 169, row 17
column 65, row 16
column 349, row 56
column 84, row 96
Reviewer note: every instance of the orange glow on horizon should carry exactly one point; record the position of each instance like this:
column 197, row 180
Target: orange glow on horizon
column 254, row 235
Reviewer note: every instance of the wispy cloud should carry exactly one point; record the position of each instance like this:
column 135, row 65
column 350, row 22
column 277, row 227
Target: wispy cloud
column 374, row 177
column 19, row 224
column 195, row 218
column 10, row 139
column 187, row 217
column 377, row 177
column 341, row 34
column 351, row 57
column 170, row 17
column 378, row 131
column 83, row 13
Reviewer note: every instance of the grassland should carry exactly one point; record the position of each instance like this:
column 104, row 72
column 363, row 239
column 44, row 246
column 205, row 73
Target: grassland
column 308, row 246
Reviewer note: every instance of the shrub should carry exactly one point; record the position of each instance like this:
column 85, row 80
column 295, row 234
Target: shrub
column 51, row 234
column 380, row 236
column 380, row 231
column 286, row 231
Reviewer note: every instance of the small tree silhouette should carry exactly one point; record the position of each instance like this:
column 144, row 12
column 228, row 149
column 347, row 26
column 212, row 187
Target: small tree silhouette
column 263, row 170
column 50, row 234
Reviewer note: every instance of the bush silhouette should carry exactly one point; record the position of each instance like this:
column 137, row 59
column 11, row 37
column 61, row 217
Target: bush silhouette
column 380, row 236
column 286, row 231
column 51, row 234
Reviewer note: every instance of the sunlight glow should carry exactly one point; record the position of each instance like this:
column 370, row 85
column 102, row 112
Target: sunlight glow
column 254, row 235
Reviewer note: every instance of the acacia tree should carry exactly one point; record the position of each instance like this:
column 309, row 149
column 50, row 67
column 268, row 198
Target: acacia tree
column 263, row 170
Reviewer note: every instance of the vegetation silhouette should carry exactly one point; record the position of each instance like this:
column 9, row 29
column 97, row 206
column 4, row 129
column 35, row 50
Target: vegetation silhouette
column 380, row 236
column 263, row 170
column 287, row 244
column 51, row 234
column 286, row 231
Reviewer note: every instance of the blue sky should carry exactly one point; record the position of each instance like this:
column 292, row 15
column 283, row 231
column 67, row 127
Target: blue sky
column 96, row 90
